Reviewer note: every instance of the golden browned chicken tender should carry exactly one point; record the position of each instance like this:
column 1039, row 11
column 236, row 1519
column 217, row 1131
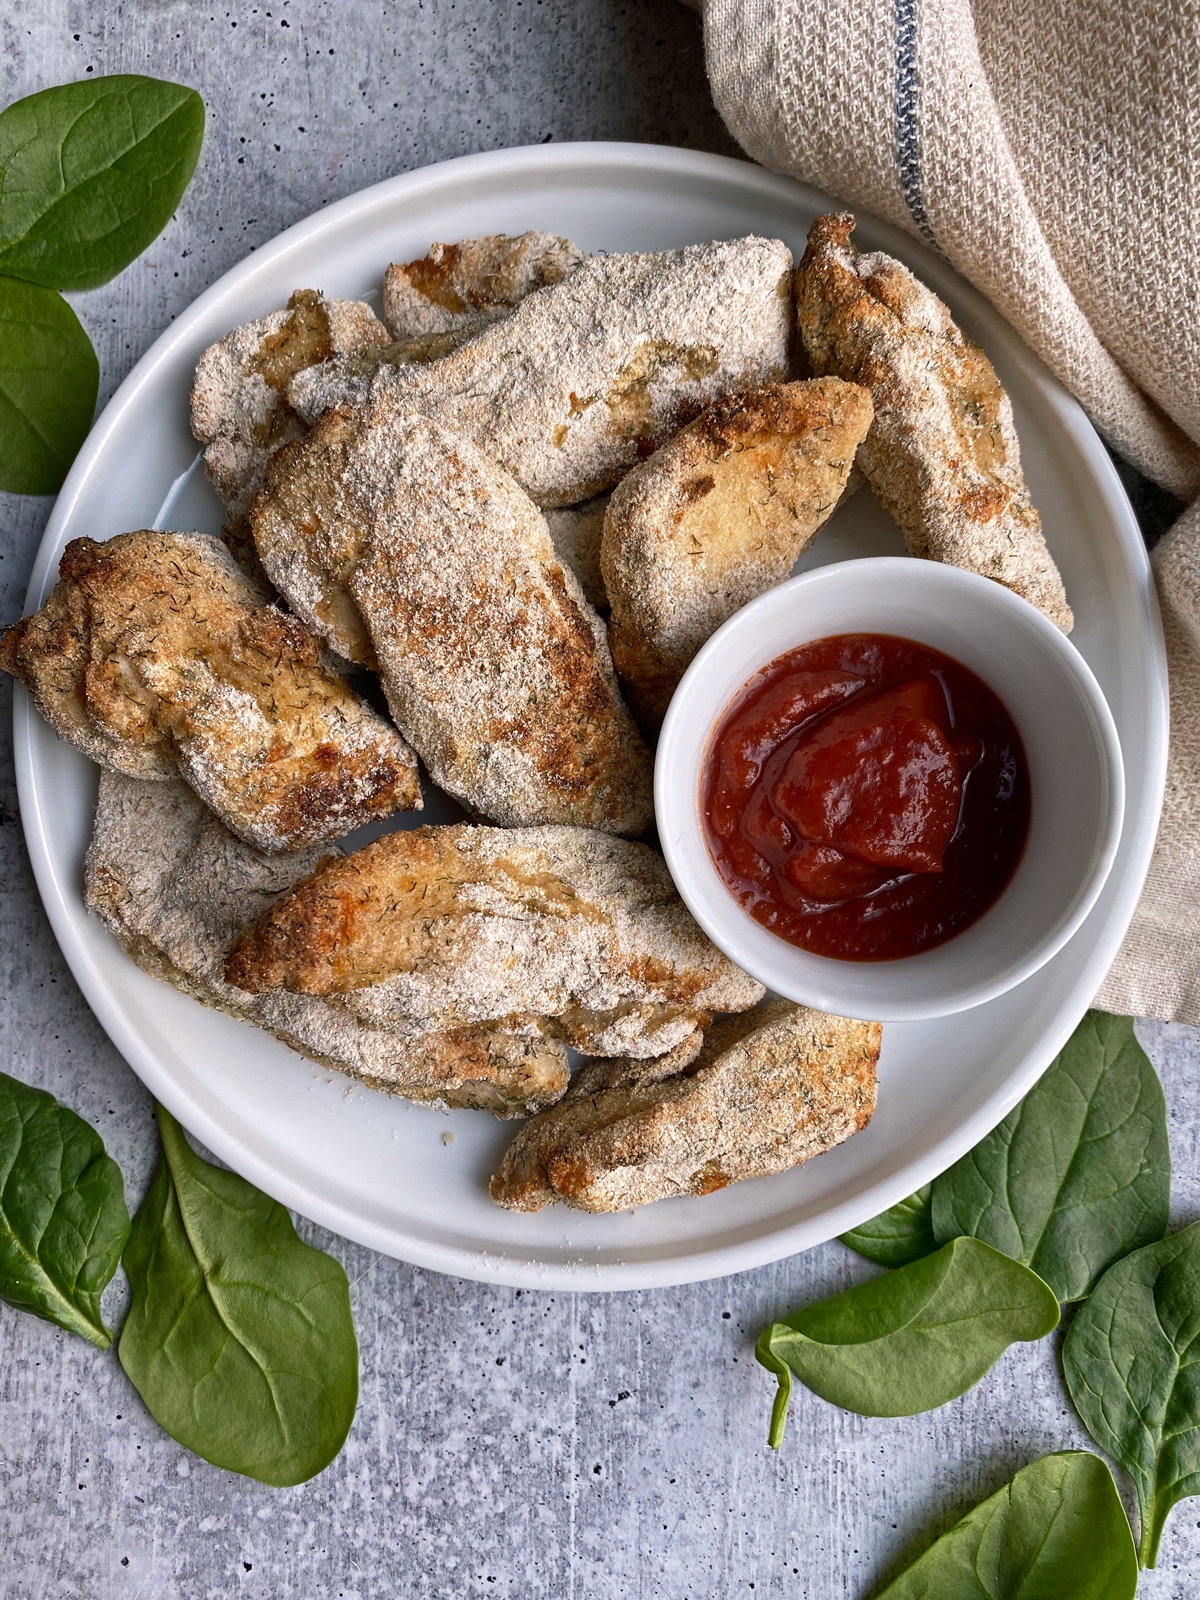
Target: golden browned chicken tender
column 174, row 886
column 718, row 516
column 240, row 410
column 468, row 924
column 473, row 282
column 410, row 550
column 156, row 655
column 766, row 1091
column 942, row 452
column 587, row 376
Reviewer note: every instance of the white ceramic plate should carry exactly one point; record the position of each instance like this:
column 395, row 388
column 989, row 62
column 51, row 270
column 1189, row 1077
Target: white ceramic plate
column 381, row 1170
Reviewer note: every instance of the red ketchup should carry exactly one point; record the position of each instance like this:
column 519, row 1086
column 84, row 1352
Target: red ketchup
column 865, row 797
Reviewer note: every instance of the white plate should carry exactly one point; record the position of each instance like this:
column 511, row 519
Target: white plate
column 379, row 1170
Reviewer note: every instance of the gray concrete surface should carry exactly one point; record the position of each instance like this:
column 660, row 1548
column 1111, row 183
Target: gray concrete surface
column 507, row 1444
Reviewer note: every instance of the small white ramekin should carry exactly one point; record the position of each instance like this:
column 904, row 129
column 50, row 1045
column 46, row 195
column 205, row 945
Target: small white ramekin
column 1077, row 781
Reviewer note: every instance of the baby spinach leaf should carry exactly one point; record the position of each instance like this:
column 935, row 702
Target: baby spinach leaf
column 1132, row 1363
column 48, row 381
column 90, row 173
column 63, row 1221
column 1079, row 1173
column 914, row 1338
column 1056, row 1532
column 902, row 1233
column 239, row 1337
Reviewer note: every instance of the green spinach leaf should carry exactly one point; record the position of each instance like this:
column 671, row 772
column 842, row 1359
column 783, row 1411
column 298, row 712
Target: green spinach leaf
column 1132, row 1363
column 239, row 1337
column 1079, row 1173
column 63, row 1221
column 1056, row 1532
column 48, row 381
column 90, row 173
column 914, row 1338
column 902, row 1233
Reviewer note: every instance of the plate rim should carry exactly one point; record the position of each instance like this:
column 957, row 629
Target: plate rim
column 688, row 1263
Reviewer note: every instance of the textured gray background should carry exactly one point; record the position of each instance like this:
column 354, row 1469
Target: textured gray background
column 507, row 1443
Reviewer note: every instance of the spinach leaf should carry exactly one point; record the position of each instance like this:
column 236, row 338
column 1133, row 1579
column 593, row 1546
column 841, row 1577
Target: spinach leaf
column 1132, row 1363
column 239, row 1337
column 48, row 381
column 1057, row 1530
column 90, row 173
column 1079, row 1173
column 914, row 1338
column 63, row 1221
column 902, row 1233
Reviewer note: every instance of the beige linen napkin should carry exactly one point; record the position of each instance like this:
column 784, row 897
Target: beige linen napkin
column 1049, row 150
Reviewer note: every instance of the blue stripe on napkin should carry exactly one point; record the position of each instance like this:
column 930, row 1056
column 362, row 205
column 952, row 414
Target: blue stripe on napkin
column 908, row 155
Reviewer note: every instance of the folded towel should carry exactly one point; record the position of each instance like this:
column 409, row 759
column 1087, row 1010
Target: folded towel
column 1048, row 151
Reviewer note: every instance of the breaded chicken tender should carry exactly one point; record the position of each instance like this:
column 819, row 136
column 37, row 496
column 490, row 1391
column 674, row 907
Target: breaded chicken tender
column 766, row 1091
column 473, row 282
column 463, row 924
column 240, row 410
column 718, row 516
column 586, row 377
column 156, row 655
column 174, row 886
column 942, row 453
column 410, row 550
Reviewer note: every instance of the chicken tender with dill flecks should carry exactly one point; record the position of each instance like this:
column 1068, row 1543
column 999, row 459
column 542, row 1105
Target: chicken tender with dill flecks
column 718, row 516
column 586, row 377
column 942, row 453
column 473, row 282
column 766, row 1091
column 240, row 410
column 174, row 886
column 409, row 549
column 156, row 655
column 462, row 924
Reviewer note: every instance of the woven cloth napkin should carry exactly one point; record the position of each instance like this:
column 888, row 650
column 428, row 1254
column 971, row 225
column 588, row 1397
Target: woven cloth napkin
column 1051, row 152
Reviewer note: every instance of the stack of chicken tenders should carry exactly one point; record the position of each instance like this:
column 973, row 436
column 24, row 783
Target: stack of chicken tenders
column 511, row 512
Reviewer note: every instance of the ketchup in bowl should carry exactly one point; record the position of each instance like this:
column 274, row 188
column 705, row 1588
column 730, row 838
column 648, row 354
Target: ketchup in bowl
column 865, row 797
